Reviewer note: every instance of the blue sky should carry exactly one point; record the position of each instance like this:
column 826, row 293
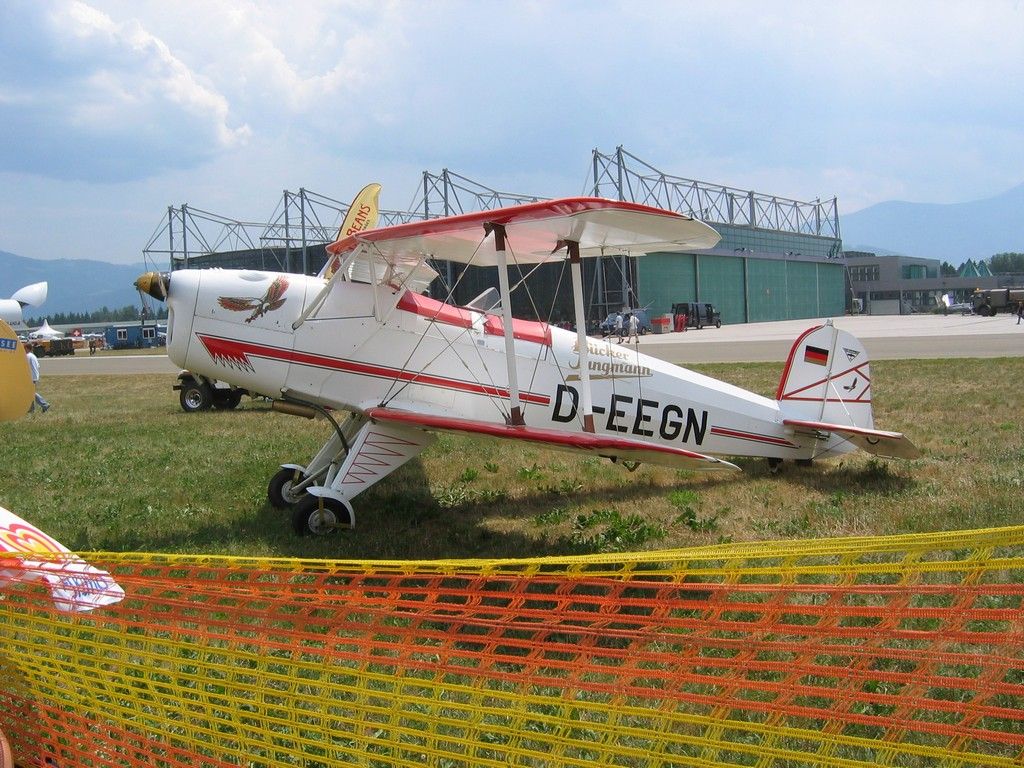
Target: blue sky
column 114, row 109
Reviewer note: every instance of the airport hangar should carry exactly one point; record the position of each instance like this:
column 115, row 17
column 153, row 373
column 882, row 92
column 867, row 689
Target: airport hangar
column 778, row 258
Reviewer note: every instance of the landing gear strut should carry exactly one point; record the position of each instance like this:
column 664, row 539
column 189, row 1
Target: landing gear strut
column 357, row 455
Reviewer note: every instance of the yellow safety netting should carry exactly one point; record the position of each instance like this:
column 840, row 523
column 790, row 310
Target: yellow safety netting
column 899, row 651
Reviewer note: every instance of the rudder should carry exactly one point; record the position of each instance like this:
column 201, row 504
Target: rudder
column 827, row 378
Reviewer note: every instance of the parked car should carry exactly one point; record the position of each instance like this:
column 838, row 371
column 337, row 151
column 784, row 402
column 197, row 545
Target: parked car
column 698, row 314
column 608, row 324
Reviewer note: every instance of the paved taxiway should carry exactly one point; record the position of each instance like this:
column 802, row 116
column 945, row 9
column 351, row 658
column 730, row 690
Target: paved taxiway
column 886, row 337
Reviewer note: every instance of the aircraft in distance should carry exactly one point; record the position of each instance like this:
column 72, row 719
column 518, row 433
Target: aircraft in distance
column 362, row 338
column 11, row 309
column 963, row 307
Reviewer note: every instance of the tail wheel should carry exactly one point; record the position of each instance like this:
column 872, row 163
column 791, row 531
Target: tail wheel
column 280, row 491
column 321, row 516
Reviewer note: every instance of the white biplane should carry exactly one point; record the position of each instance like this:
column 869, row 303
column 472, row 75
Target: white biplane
column 361, row 338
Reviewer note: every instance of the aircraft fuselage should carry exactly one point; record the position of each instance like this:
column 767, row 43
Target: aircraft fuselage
column 372, row 345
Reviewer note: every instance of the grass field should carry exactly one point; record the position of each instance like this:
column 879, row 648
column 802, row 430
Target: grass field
column 116, row 465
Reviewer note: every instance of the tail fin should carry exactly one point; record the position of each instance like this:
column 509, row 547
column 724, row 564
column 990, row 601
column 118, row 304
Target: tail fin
column 825, row 393
column 827, row 378
column 16, row 389
column 362, row 215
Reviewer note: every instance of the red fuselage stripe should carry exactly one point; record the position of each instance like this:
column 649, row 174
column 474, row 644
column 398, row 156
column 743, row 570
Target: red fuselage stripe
column 723, row 432
column 243, row 348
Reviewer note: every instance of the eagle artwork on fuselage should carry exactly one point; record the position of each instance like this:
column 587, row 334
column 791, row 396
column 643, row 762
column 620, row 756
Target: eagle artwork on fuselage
column 362, row 339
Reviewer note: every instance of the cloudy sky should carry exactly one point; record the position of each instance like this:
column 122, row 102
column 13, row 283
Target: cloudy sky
column 111, row 110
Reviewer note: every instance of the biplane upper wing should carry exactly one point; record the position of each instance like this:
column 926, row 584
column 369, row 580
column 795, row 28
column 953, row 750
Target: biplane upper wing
column 876, row 441
column 535, row 231
column 611, row 447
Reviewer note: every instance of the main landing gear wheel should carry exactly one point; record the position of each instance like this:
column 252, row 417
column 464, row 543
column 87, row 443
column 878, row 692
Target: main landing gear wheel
column 226, row 401
column 196, row 397
column 321, row 516
column 279, row 490
column 773, row 466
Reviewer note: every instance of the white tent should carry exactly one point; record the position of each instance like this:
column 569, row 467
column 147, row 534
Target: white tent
column 45, row 332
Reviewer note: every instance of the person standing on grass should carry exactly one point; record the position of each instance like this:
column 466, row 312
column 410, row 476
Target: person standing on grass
column 33, row 367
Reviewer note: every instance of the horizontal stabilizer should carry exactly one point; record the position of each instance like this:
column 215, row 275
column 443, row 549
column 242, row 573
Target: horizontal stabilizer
column 617, row 448
column 876, row 441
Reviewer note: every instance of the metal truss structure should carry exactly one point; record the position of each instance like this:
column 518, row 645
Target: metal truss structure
column 449, row 194
column 187, row 232
column 306, row 218
column 624, row 176
column 303, row 220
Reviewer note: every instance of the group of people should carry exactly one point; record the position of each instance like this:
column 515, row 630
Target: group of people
column 627, row 327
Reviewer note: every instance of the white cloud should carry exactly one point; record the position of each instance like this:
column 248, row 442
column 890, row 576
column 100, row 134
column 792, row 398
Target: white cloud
column 106, row 100
column 223, row 103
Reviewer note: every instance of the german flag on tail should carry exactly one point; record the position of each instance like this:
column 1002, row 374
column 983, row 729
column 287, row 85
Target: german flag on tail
column 815, row 355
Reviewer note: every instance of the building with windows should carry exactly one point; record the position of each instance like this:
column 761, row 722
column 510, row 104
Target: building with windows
column 894, row 285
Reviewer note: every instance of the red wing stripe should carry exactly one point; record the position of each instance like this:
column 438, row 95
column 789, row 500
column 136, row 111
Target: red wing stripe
column 235, row 350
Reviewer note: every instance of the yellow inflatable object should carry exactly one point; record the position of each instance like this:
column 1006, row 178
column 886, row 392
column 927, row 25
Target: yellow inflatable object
column 16, row 390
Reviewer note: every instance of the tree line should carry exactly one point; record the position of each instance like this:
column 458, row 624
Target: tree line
column 1000, row 264
column 1004, row 263
column 102, row 315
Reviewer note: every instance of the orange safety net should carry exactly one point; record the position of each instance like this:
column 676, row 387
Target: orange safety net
column 898, row 651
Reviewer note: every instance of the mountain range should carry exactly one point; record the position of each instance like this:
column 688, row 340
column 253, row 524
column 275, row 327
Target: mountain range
column 75, row 285
column 954, row 232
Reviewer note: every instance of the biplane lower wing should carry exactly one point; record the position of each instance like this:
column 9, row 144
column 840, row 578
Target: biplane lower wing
column 615, row 448
column 876, row 441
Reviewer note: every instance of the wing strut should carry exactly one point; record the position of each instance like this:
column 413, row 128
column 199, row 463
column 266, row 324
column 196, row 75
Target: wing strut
column 516, row 416
column 318, row 300
column 581, row 334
